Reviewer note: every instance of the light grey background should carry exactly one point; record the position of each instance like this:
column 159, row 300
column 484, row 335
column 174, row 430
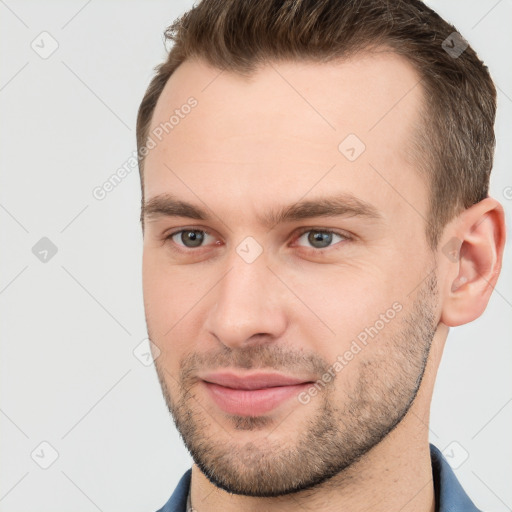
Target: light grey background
column 70, row 325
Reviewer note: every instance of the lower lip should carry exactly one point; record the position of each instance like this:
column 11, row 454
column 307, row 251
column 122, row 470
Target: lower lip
column 245, row 402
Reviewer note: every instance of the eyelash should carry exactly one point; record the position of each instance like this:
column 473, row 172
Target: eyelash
column 179, row 248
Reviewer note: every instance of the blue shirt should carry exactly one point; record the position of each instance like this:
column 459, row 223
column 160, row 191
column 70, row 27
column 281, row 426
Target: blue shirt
column 449, row 494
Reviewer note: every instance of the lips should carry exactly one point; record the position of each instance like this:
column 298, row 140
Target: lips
column 254, row 381
column 253, row 394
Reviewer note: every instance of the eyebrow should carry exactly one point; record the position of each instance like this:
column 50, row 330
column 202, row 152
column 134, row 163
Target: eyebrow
column 346, row 205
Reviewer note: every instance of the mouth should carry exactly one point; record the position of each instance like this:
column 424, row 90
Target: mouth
column 254, row 394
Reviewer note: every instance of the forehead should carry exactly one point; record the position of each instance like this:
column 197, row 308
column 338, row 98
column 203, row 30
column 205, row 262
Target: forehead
column 285, row 127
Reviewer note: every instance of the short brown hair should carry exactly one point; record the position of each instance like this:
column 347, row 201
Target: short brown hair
column 455, row 146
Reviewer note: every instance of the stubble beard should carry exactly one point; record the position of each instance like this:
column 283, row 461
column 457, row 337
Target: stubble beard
column 335, row 435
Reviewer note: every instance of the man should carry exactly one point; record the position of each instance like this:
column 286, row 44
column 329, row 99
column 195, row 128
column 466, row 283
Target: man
column 316, row 217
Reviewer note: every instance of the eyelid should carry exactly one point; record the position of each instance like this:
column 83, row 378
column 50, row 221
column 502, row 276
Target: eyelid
column 344, row 234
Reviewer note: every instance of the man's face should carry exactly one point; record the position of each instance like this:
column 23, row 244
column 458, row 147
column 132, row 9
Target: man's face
column 347, row 300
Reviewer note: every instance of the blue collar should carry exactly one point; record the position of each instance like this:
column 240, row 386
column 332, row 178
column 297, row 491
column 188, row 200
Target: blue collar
column 449, row 494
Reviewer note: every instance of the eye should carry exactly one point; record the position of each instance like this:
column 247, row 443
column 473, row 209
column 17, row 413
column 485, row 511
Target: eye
column 189, row 238
column 319, row 238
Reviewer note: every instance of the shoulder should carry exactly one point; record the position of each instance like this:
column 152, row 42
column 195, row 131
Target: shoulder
column 178, row 501
column 449, row 493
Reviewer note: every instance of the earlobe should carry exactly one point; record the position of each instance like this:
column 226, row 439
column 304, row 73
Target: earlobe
column 473, row 268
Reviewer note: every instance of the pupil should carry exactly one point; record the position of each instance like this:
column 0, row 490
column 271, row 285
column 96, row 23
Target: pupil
column 317, row 236
column 195, row 237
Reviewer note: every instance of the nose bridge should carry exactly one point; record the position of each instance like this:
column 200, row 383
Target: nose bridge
column 246, row 301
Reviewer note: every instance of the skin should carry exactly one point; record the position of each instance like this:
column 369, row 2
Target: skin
column 248, row 147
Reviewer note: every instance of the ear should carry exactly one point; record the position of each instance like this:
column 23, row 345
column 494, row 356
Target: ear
column 474, row 252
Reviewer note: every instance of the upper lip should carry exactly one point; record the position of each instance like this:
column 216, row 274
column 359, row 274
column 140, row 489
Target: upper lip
column 252, row 381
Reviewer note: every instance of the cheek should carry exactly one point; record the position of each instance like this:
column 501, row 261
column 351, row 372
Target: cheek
column 342, row 308
column 163, row 294
column 172, row 298
column 343, row 295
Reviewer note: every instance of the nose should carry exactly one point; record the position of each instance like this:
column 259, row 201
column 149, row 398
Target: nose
column 249, row 305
